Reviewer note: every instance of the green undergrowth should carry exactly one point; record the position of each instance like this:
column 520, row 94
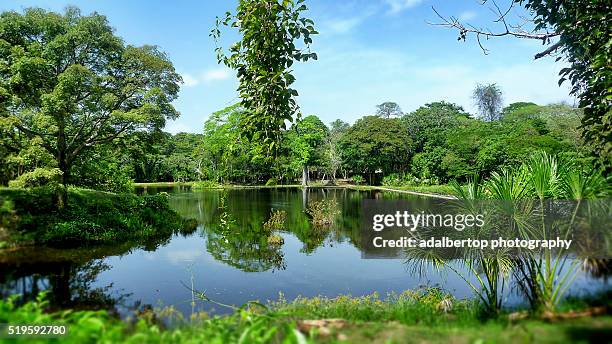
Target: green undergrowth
column 422, row 316
column 443, row 189
column 434, row 189
column 31, row 216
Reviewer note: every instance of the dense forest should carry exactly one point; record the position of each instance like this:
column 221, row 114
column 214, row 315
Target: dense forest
column 434, row 144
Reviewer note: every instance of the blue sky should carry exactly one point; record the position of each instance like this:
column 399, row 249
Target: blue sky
column 369, row 52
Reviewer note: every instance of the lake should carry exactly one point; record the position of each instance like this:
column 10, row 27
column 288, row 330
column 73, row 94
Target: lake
column 230, row 266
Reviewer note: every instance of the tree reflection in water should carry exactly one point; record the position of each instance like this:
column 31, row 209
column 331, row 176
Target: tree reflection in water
column 68, row 275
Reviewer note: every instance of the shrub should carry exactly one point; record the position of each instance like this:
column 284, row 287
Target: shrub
column 323, row 212
column 272, row 182
column 275, row 240
column 90, row 217
column 276, row 220
column 38, row 177
column 206, row 184
column 358, row 179
column 407, row 179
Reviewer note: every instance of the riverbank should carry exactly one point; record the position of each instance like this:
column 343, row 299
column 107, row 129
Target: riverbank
column 422, row 316
column 436, row 191
column 31, row 217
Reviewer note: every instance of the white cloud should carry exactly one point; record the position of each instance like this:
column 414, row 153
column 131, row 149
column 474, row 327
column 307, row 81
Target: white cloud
column 189, row 80
column 333, row 88
column 215, row 74
column 467, row 15
column 208, row 76
column 343, row 25
column 181, row 256
column 397, row 6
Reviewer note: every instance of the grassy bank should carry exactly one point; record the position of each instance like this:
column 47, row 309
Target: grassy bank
column 163, row 184
column 428, row 189
column 427, row 316
column 432, row 189
column 31, row 216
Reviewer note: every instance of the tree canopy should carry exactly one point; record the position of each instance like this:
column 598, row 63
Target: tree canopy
column 579, row 32
column 74, row 84
column 388, row 110
column 374, row 143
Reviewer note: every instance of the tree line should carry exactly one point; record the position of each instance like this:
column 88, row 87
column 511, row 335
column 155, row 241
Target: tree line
column 434, row 144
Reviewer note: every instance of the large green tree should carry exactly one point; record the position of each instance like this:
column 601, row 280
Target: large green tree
column 374, row 143
column 71, row 83
column 306, row 141
column 388, row 110
column 270, row 32
column 333, row 160
column 429, row 124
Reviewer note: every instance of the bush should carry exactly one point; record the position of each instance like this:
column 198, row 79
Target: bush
column 276, row 220
column 323, row 212
column 38, row 177
column 206, row 184
column 272, row 182
column 90, row 217
column 407, row 179
column 358, row 179
column 275, row 240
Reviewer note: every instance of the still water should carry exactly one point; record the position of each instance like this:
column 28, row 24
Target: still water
column 231, row 267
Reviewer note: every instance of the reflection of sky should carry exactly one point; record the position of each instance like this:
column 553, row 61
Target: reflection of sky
column 158, row 277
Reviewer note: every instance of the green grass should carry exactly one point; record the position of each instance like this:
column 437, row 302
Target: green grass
column 411, row 317
column 445, row 189
column 430, row 189
column 31, row 216
column 434, row 189
column 163, row 184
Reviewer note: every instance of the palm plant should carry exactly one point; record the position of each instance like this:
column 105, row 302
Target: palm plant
column 545, row 276
column 519, row 202
column 489, row 271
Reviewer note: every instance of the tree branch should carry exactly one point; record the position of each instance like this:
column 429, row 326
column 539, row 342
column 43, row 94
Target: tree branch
column 508, row 30
column 548, row 51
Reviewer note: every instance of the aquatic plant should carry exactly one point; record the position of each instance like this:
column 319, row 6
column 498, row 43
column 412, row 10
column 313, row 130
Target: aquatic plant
column 275, row 240
column 323, row 212
column 206, row 184
column 276, row 220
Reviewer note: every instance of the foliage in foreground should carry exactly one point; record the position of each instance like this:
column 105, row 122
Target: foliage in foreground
column 413, row 316
column 91, row 217
column 543, row 277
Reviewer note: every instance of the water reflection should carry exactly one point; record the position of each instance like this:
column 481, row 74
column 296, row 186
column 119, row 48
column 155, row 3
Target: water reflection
column 229, row 256
column 67, row 275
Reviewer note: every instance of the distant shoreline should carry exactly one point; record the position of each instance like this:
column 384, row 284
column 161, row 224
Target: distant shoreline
column 314, row 185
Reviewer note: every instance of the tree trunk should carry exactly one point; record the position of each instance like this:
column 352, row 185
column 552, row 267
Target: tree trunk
column 305, row 175
column 62, row 162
